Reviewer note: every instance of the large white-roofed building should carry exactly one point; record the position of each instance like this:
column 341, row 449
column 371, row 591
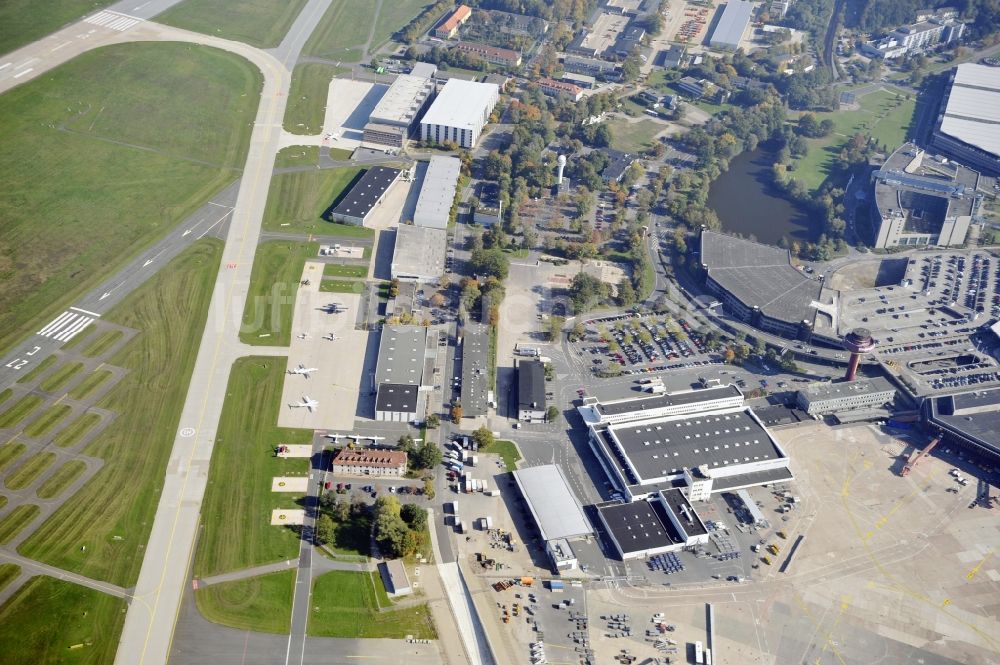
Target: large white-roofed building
column 437, row 193
column 968, row 124
column 734, row 21
column 558, row 515
column 395, row 116
column 459, row 112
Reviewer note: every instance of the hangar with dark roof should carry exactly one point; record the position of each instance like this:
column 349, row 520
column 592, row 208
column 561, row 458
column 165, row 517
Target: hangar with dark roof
column 970, row 420
column 366, row 193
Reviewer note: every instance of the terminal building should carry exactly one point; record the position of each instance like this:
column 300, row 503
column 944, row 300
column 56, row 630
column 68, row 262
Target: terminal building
column 966, row 126
column 734, row 21
column 459, row 113
column 419, row 254
column 475, row 370
column 664, row 522
column 437, row 192
column 847, row 397
column 703, row 446
column 680, row 403
column 557, row 514
column 365, row 195
column 403, row 362
column 923, row 200
column 394, row 119
column 969, row 420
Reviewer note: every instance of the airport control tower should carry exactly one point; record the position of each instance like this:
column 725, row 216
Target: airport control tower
column 858, row 341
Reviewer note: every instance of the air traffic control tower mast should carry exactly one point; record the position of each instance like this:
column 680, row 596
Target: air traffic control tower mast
column 858, row 341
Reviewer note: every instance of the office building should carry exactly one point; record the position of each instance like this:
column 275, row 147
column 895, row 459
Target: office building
column 554, row 88
column 362, row 462
column 396, row 115
column 459, row 113
column 843, row 397
column 449, row 27
column 502, row 57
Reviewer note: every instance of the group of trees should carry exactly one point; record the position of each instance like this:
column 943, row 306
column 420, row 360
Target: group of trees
column 424, row 21
column 399, row 530
column 586, row 291
column 426, row 455
column 448, row 57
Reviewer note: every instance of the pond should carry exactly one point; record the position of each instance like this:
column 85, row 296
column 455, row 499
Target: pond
column 748, row 203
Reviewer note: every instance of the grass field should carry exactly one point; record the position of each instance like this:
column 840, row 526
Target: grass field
column 117, row 159
column 24, row 21
column 39, row 368
column 341, row 286
column 260, row 23
column 3, row 501
column 343, row 31
column 113, row 513
column 46, row 618
column 346, row 604
column 507, row 451
column 48, row 420
column 93, row 381
column 274, row 280
column 307, row 97
column 9, row 453
column 102, row 343
column 393, row 17
column 61, row 479
column 8, row 573
column 5, row 395
column 15, row 520
column 71, row 435
column 297, row 155
column 19, row 410
column 341, row 270
column 296, row 202
column 80, row 338
column 634, row 136
column 261, row 604
column 30, row 470
column 59, row 378
column 236, row 513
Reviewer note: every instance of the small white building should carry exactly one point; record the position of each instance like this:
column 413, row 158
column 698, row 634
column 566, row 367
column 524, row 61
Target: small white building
column 394, row 578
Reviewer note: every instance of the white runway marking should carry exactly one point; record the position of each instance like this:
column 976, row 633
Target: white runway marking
column 113, row 20
column 26, row 63
column 60, row 46
column 6, row 65
column 26, row 71
column 65, row 326
column 77, row 309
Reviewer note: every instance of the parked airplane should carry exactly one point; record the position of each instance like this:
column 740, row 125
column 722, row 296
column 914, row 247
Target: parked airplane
column 333, row 337
column 303, row 370
column 335, row 437
column 307, row 402
column 303, row 335
column 359, row 437
column 334, row 308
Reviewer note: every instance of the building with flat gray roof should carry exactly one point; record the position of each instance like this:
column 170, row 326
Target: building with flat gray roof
column 556, row 512
column 664, row 522
column 475, row 370
column 365, row 194
column 400, row 372
column 394, row 578
column 419, row 253
column 821, row 399
column 399, row 110
column 437, row 192
column 530, row 391
column 679, row 403
column 967, row 124
column 970, row 420
column 758, row 284
column 459, row 113
column 731, row 26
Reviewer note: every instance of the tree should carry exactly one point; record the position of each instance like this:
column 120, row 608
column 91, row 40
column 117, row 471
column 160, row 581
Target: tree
column 429, row 489
column 555, row 325
column 729, row 356
column 325, row 530
column 394, row 288
column 433, row 421
column 586, row 290
column 552, row 413
column 626, row 294
column 483, row 437
column 437, row 300
column 456, row 413
column 427, row 456
column 406, row 444
column 489, row 262
column 414, row 516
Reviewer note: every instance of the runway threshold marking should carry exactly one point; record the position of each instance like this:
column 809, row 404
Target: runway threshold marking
column 65, row 326
column 77, row 309
column 26, row 71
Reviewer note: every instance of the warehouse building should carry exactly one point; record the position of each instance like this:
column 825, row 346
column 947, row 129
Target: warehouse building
column 557, row 514
column 502, row 57
column 731, row 26
column 967, row 123
column 395, row 117
column 419, row 254
column 678, row 403
column 437, row 193
column 403, row 362
column 459, row 113
column 361, row 462
column 449, row 27
column 365, row 195
column 664, row 522
column 844, row 397
column 475, row 370
column 531, row 391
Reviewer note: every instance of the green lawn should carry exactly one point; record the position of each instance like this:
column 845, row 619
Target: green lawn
column 9, row 453
column 63, row 477
column 236, row 531
column 17, row 519
column 5, row 395
column 342, row 270
column 30, row 470
column 93, row 381
column 393, row 17
column 104, row 155
column 634, row 137
column 307, row 97
column 24, row 21
column 297, row 155
column 297, row 201
column 19, row 410
column 342, row 31
column 261, row 23
column 59, row 378
column 506, row 450
column 101, row 532
column 341, row 286
column 8, row 573
column 100, row 344
column 51, row 621
column 39, row 368
column 274, row 280
column 48, row 420
column 346, row 604
column 262, row 604
column 71, row 435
